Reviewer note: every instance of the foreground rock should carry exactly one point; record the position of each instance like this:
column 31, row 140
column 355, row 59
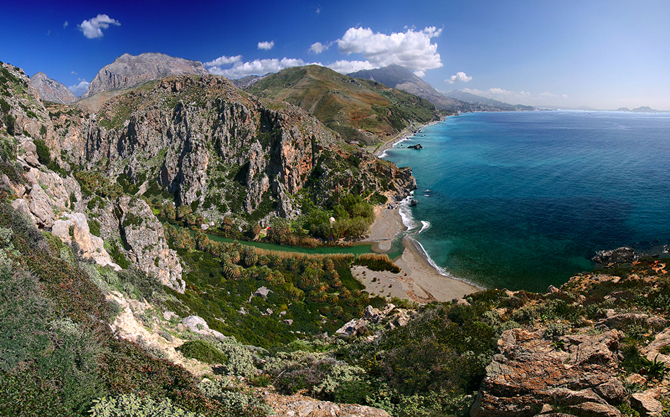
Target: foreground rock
column 576, row 373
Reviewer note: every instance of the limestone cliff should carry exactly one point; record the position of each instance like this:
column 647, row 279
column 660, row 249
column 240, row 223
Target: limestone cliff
column 219, row 150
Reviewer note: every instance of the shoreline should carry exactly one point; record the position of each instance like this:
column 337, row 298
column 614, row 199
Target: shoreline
column 418, row 280
column 404, row 135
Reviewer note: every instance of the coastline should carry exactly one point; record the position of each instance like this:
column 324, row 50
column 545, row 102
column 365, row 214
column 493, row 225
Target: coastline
column 404, row 135
column 418, row 280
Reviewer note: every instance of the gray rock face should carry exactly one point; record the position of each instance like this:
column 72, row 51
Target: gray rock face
column 51, row 90
column 530, row 372
column 128, row 71
column 144, row 234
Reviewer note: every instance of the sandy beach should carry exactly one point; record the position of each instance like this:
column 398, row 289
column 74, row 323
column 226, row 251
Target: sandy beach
column 418, row 280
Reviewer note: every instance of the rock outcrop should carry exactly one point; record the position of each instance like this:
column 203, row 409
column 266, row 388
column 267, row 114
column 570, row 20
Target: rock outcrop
column 575, row 373
column 74, row 228
column 391, row 317
column 620, row 255
column 51, row 90
column 143, row 234
column 128, row 71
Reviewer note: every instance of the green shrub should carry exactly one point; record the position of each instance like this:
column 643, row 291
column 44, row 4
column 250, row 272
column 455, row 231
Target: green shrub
column 665, row 350
column 240, row 361
column 236, row 403
column 9, row 124
column 94, row 227
column 4, row 106
column 203, row 351
column 131, row 405
column 43, row 153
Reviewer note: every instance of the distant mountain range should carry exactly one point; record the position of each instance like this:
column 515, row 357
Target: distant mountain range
column 487, row 102
column 329, row 92
column 456, row 101
column 642, row 109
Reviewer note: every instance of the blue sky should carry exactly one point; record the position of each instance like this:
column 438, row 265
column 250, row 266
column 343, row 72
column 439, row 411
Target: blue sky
column 600, row 54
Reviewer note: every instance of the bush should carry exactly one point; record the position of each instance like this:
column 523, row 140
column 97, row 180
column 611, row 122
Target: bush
column 203, row 351
column 235, row 402
column 131, row 405
column 240, row 361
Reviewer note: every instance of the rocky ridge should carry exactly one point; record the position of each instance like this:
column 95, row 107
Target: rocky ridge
column 51, row 90
column 128, row 71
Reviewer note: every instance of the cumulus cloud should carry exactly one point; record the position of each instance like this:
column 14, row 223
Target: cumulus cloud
column 347, row 67
column 419, row 74
column 318, row 47
column 460, row 77
column 410, row 49
column 224, row 60
column 93, row 28
column 266, row 45
column 256, row 67
column 66, row 24
column 79, row 89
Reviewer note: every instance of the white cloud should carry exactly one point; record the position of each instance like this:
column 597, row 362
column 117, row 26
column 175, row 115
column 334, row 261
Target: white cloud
column 256, row 67
column 66, row 24
column 224, row 60
column 419, row 74
column 266, row 45
column 347, row 67
column 79, row 89
column 48, row 32
column 460, row 77
column 93, row 28
column 318, row 47
column 410, row 49
column 318, row 10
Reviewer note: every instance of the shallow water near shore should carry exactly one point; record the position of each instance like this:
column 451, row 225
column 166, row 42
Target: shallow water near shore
column 523, row 200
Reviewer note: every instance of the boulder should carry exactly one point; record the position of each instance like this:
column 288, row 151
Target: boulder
column 198, row 325
column 646, row 404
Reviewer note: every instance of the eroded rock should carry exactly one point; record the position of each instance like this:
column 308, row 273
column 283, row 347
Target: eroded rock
column 531, row 371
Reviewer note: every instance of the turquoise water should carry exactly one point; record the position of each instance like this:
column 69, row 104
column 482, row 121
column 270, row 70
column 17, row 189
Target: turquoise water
column 523, row 200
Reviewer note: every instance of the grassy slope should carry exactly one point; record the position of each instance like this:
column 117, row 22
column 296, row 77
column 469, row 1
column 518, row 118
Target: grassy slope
column 344, row 104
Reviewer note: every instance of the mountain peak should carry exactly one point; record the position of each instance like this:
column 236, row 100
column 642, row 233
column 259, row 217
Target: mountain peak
column 51, row 90
column 130, row 70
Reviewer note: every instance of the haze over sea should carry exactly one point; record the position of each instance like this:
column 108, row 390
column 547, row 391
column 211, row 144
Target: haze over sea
column 523, row 200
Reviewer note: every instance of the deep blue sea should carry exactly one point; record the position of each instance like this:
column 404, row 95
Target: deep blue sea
column 522, row 200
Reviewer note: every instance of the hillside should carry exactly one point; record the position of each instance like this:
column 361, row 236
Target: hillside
column 358, row 110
